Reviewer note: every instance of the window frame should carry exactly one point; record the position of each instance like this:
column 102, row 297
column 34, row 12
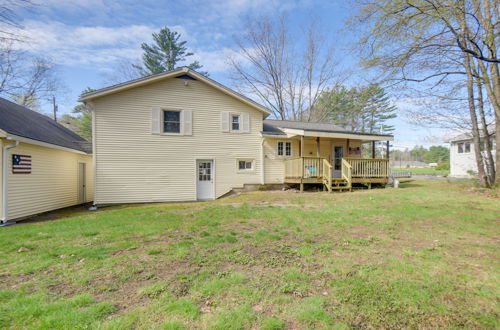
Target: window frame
column 284, row 155
column 163, row 111
column 232, row 116
column 467, row 147
column 246, row 169
column 460, row 147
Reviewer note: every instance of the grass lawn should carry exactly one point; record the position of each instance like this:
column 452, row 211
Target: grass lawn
column 422, row 171
column 425, row 255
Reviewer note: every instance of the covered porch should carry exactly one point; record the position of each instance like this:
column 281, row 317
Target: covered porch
column 342, row 164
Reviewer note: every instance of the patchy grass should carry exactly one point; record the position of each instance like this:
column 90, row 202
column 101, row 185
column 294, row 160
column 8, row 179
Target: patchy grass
column 422, row 256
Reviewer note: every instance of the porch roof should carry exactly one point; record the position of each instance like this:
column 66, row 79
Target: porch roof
column 288, row 128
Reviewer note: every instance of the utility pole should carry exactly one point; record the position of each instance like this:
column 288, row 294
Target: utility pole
column 54, row 106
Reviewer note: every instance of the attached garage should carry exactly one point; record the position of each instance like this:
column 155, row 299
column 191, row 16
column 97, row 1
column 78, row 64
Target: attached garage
column 44, row 166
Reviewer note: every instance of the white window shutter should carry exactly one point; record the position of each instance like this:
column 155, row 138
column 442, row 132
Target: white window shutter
column 187, row 122
column 224, row 121
column 245, row 122
column 155, row 120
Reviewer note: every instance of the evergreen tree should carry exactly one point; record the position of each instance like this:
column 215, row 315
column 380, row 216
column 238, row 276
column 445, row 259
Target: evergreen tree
column 82, row 123
column 165, row 53
column 363, row 109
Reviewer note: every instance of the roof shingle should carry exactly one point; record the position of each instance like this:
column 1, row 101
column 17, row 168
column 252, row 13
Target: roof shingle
column 21, row 121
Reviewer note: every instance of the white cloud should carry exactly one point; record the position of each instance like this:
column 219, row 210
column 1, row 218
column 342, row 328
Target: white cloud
column 105, row 46
column 72, row 45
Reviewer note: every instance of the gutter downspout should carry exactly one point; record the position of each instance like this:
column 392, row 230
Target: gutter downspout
column 262, row 157
column 5, row 180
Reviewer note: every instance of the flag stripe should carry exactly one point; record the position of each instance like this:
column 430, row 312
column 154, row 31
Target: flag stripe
column 21, row 164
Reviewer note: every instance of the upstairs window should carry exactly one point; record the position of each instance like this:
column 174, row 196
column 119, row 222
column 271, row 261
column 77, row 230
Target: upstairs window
column 467, row 147
column 171, row 121
column 460, row 148
column 235, row 122
column 284, row 149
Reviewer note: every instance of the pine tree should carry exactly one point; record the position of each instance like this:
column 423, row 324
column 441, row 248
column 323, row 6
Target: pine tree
column 363, row 109
column 166, row 53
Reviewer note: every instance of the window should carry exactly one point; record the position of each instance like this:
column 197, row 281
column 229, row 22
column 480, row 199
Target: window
column 284, row 149
column 460, row 148
column 171, row 121
column 467, row 147
column 245, row 165
column 235, row 122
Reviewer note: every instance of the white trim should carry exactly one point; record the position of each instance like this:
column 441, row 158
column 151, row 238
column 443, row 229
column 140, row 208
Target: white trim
column 246, row 170
column 173, row 73
column 262, row 157
column 284, row 149
column 162, row 121
column 196, row 177
column 43, row 144
column 5, row 180
column 231, row 116
column 94, row 158
column 294, row 132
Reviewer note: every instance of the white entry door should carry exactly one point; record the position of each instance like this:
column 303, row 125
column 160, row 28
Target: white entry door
column 205, row 179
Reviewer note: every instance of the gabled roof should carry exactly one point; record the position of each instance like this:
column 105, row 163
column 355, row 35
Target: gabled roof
column 468, row 136
column 182, row 71
column 290, row 127
column 21, row 121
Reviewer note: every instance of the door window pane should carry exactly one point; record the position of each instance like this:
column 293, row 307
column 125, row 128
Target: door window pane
column 339, row 153
column 205, row 171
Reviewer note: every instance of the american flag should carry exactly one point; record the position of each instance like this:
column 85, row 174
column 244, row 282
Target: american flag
column 21, row 164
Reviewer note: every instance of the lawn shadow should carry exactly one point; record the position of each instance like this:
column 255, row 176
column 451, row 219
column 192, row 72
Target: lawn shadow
column 66, row 212
column 409, row 183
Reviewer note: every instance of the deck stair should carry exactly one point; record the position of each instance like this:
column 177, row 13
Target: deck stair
column 317, row 170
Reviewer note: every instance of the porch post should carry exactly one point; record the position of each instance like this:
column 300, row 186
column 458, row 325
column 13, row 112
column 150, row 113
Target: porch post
column 373, row 149
column 387, row 146
column 317, row 147
column 302, row 146
column 348, row 153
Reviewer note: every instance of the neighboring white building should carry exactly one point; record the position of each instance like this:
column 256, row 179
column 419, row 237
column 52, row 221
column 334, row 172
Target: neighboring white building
column 462, row 156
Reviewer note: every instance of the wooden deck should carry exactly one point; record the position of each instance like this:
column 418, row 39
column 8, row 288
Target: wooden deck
column 309, row 170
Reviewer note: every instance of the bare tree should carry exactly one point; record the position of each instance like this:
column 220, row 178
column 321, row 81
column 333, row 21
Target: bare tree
column 437, row 43
column 9, row 24
column 24, row 78
column 285, row 76
column 123, row 70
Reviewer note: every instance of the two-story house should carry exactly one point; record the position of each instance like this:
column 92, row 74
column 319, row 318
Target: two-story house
column 180, row 136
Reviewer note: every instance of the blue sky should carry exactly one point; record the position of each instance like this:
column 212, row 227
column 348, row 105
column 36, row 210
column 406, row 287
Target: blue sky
column 88, row 38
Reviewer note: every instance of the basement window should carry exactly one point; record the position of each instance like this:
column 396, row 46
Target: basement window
column 245, row 165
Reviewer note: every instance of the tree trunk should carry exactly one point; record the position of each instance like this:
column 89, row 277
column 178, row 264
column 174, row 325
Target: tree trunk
column 473, row 117
column 489, row 161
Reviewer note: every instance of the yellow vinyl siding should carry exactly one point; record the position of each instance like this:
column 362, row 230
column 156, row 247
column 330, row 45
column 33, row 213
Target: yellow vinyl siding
column 1, row 176
column 134, row 165
column 274, row 167
column 52, row 184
